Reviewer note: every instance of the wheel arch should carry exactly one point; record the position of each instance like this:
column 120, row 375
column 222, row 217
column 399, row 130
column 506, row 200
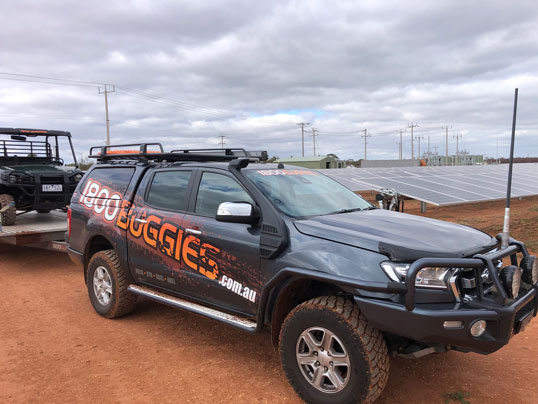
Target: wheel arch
column 289, row 294
column 95, row 244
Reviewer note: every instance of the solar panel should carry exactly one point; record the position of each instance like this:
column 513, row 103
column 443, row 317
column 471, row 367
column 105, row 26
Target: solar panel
column 443, row 185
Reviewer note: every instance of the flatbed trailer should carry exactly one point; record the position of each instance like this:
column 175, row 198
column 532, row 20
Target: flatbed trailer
column 41, row 230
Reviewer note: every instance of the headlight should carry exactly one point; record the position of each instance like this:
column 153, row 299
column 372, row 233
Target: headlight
column 78, row 177
column 431, row 277
column 14, row 178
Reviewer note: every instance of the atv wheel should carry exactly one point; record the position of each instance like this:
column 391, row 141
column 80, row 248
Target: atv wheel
column 43, row 210
column 330, row 353
column 107, row 285
column 9, row 216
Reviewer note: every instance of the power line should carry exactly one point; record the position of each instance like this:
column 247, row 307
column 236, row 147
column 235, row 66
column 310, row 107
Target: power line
column 47, row 82
column 52, row 78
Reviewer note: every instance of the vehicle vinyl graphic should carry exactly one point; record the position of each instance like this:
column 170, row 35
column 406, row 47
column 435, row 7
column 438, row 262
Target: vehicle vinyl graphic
column 165, row 255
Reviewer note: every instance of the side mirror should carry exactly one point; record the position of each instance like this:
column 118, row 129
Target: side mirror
column 237, row 212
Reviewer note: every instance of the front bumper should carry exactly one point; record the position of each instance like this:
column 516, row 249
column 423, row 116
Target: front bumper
column 425, row 322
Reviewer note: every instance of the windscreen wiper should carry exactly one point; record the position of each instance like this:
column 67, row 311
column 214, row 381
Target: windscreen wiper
column 346, row 211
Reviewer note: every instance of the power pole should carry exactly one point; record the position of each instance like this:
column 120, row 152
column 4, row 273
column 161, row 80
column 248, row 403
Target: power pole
column 419, row 137
column 105, row 92
column 302, row 124
column 314, row 134
column 497, row 149
column 457, row 137
column 428, row 145
column 412, row 126
column 366, row 135
column 401, row 149
column 446, row 141
column 222, row 141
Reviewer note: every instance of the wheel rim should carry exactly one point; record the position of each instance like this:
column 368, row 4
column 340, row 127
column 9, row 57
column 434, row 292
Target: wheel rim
column 323, row 359
column 102, row 285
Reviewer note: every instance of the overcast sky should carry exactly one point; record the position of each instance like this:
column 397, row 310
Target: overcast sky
column 251, row 70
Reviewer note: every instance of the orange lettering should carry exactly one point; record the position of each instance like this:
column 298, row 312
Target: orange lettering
column 209, row 266
column 151, row 231
column 187, row 250
column 166, row 239
column 123, row 218
column 136, row 228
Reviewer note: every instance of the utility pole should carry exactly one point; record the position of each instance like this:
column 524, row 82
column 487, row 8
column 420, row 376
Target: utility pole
column 314, row 134
column 446, row 141
column 428, row 145
column 412, row 126
column 497, row 149
column 419, row 137
column 366, row 135
column 457, row 159
column 222, row 141
column 401, row 145
column 105, row 92
column 302, row 124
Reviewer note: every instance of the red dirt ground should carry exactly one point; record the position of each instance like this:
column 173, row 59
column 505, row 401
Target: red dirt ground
column 55, row 349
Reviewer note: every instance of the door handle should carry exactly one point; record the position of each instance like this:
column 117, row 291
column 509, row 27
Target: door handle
column 193, row 231
column 141, row 221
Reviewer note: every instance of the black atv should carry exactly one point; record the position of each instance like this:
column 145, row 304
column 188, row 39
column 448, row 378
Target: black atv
column 32, row 174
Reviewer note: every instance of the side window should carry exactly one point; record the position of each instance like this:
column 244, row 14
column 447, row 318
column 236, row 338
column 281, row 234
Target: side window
column 215, row 189
column 167, row 190
column 117, row 179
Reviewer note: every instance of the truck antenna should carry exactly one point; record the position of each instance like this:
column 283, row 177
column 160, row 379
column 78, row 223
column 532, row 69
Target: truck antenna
column 506, row 227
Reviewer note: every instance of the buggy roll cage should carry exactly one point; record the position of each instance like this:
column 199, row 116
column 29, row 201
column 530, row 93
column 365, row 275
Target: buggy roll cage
column 40, row 147
column 144, row 152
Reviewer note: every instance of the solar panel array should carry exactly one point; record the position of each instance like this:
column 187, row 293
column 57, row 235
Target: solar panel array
column 443, row 185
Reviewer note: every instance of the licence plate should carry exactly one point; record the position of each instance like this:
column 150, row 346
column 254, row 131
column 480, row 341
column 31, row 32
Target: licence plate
column 52, row 188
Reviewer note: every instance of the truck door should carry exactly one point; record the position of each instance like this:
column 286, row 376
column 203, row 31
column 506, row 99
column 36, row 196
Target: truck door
column 154, row 228
column 221, row 259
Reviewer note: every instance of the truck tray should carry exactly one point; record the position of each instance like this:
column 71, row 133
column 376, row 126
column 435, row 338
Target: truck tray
column 43, row 230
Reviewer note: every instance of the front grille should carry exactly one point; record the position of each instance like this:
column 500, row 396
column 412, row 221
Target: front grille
column 52, row 179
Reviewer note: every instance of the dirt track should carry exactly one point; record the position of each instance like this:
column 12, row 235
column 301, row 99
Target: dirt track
column 55, row 349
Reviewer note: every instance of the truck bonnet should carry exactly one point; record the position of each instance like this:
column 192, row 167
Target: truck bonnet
column 400, row 236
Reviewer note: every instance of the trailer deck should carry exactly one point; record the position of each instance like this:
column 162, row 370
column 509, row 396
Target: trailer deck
column 42, row 230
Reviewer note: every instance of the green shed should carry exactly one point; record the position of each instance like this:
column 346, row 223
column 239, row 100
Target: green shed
column 315, row 162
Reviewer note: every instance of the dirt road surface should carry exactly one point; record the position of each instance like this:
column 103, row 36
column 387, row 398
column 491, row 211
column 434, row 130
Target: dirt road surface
column 55, row 349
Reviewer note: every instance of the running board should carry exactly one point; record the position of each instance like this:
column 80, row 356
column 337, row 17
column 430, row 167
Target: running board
column 193, row 307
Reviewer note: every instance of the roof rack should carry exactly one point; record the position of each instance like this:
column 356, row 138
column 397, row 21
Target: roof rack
column 155, row 152
column 260, row 155
column 33, row 132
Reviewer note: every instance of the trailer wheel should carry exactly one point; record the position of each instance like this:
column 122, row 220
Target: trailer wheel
column 107, row 285
column 330, row 353
column 9, row 216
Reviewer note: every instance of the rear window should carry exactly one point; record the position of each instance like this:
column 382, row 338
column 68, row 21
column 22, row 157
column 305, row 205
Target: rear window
column 115, row 179
column 167, row 190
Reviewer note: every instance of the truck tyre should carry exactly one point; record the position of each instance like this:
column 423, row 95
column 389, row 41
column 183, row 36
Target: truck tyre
column 330, row 353
column 107, row 285
column 9, row 216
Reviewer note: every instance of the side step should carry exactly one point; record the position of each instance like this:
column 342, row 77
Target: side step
column 176, row 302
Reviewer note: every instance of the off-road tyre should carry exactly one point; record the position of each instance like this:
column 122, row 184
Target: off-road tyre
column 43, row 210
column 367, row 350
column 9, row 216
column 121, row 301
